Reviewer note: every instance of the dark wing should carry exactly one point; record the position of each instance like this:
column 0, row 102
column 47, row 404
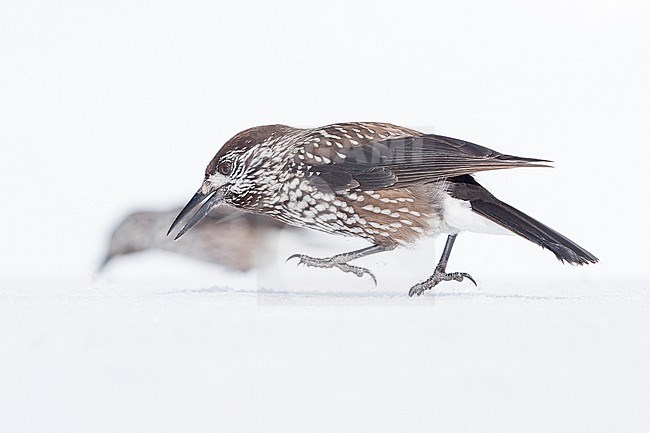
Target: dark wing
column 397, row 162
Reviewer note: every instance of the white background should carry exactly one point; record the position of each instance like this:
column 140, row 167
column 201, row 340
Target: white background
column 110, row 107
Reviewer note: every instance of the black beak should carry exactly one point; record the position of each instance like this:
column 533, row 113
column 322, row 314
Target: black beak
column 207, row 201
column 104, row 262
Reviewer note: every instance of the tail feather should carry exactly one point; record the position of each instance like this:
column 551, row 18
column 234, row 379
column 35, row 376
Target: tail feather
column 523, row 225
column 485, row 204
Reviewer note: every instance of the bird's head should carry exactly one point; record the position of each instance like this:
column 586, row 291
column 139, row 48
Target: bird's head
column 237, row 175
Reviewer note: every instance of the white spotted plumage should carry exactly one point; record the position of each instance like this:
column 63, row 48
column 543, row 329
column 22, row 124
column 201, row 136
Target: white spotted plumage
column 274, row 176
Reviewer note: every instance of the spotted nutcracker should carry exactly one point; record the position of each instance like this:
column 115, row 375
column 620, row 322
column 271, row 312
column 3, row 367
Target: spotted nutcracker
column 385, row 183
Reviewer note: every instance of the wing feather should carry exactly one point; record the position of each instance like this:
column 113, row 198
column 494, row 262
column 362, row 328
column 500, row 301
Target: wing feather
column 397, row 162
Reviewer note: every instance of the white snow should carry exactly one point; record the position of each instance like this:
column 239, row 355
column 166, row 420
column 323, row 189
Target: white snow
column 191, row 350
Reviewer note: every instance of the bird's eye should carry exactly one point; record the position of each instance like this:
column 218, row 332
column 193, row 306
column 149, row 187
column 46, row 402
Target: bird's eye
column 225, row 168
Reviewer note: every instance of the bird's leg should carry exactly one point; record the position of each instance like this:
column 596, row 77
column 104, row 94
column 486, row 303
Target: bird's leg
column 440, row 274
column 341, row 260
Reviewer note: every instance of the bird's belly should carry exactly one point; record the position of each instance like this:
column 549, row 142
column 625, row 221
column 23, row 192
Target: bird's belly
column 458, row 216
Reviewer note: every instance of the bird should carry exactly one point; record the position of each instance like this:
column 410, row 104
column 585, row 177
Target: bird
column 226, row 237
column 384, row 183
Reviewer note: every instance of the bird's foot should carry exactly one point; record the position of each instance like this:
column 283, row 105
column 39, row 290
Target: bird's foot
column 333, row 262
column 437, row 277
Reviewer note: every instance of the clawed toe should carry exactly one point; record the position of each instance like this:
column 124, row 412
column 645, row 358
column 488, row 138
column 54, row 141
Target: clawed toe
column 332, row 262
column 313, row 261
column 296, row 256
column 418, row 289
column 357, row 270
column 292, row 256
column 468, row 276
column 438, row 277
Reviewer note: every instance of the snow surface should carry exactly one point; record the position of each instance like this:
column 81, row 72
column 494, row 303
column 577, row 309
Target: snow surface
column 200, row 349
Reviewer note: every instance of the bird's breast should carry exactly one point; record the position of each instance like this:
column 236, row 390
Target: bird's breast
column 388, row 216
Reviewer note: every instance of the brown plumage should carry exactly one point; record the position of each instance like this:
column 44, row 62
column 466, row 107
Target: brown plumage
column 387, row 184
